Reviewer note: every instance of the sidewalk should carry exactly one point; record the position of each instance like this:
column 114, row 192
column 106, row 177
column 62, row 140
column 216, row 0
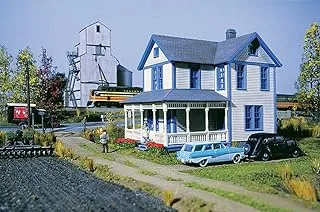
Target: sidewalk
column 177, row 187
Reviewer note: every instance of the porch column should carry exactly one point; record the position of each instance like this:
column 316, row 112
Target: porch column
column 226, row 111
column 133, row 121
column 188, row 123
column 125, row 118
column 141, row 120
column 165, row 137
column 154, row 110
column 207, row 123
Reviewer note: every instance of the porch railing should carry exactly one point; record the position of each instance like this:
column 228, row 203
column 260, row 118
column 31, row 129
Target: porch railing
column 181, row 138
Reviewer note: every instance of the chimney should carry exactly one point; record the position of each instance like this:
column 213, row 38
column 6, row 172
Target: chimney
column 231, row 33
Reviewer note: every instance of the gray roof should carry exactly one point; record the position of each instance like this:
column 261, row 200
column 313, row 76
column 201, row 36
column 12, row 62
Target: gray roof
column 186, row 50
column 176, row 95
column 200, row 51
column 228, row 48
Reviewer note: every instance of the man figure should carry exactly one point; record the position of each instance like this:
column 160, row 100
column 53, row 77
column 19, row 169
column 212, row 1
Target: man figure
column 104, row 138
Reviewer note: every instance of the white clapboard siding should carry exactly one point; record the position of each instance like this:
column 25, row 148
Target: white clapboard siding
column 262, row 56
column 207, row 77
column 147, row 80
column 152, row 61
column 252, row 96
column 182, row 76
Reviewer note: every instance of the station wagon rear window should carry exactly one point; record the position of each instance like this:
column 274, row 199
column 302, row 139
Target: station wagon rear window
column 188, row 148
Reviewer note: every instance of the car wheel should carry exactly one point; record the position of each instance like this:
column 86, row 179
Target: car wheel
column 246, row 149
column 203, row 163
column 236, row 159
column 265, row 156
column 295, row 153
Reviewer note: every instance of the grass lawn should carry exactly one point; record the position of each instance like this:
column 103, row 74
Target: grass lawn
column 265, row 177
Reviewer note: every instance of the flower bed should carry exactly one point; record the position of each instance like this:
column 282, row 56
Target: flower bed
column 155, row 147
column 125, row 143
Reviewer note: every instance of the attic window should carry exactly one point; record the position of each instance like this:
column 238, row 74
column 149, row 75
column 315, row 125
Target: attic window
column 156, row 52
column 98, row 28
column 253, row 46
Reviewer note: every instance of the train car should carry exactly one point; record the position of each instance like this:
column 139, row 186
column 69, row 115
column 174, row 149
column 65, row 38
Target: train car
column 111, row 96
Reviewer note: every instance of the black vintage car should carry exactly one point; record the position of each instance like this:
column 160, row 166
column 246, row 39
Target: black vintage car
column 265, row 146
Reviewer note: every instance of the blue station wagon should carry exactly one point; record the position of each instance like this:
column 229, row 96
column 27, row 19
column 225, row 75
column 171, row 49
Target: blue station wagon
column 209, row 152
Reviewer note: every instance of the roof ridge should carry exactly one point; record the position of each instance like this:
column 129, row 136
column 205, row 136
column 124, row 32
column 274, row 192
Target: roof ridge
column 194, row 39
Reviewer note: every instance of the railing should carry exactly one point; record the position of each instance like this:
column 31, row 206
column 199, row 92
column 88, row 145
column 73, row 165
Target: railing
column 133, row 134
column 181, row 138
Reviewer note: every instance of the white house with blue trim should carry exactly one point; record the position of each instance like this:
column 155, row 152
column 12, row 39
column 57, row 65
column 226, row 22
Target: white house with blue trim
column 196, row 90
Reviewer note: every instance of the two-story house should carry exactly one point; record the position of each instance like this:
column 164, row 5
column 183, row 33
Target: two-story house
column 196, row 90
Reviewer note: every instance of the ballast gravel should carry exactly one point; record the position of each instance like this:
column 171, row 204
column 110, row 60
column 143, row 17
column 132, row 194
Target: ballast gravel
column 51, row 184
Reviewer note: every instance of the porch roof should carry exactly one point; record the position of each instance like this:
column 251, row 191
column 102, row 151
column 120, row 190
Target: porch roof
column 176, row 95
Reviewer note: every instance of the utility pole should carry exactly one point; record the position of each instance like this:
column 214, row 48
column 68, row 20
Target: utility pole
column 28, row 95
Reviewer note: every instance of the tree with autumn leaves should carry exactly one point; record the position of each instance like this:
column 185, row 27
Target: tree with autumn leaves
column 46, row 86
column 308, row 83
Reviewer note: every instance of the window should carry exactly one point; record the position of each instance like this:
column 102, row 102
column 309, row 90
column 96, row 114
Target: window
column 253, row 47
column 198, row 148
column 253, row 117
column 220, row 78
column 195, row 77
column 208, row 147
column 188, row 148
column 157, row 78
column 264, row 78
column 216, row 146
column 99, row 50
column 156, row 52
column 241, row 77
column 98, row 28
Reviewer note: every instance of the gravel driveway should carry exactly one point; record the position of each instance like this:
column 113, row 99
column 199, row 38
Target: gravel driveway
column 50, row 184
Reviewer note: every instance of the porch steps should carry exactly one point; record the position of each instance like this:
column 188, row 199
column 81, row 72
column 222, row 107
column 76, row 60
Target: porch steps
column 141, row 147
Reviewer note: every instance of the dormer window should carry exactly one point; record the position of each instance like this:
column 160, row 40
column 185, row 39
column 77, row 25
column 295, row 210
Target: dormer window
column 156, row 52
column 98, row 28
column 253, row 47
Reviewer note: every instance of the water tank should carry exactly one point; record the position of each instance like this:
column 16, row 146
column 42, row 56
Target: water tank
column 124, row 76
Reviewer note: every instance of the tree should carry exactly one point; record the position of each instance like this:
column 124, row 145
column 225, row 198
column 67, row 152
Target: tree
column 5, row 72
column 52, row 84
column 308, row 83
column 18, row 84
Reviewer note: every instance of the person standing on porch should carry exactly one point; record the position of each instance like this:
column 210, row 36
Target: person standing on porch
column 104, row 139
column 146, row 131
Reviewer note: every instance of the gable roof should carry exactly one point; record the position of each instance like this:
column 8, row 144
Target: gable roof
column 176, row 95
column 203, row 52
column 97, row 22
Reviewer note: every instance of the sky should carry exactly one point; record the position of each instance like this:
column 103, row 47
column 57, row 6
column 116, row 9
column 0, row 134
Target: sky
column 55, row 25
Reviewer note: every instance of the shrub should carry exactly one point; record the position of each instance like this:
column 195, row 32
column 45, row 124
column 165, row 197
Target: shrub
column 167, row 197
column 2, row 138
column 125, row 143
column 89, row 164
column 114, row 132
column 44, row 139
column 62, row 151
column 91, row 135
column 155, row 147
column 295, row 128
column 316, row 131
column 298, row 186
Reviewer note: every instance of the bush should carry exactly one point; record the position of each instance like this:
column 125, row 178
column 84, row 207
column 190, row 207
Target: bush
column 298, row 186
column 125, row 143
column 316, row 131
column 295, row 128
column 155, row 147
column 44, row 139
column 167, row 197
column 114, row 132
column 91, row 135
column 2, row 138
column 62, row 151
column 88, row 164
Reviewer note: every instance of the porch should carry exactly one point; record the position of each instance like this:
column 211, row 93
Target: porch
column 173, row 123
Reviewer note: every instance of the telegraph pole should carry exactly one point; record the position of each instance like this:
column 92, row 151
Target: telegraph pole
column 28, row 94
